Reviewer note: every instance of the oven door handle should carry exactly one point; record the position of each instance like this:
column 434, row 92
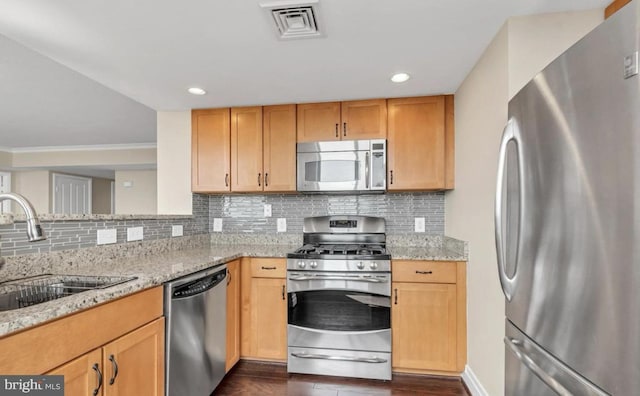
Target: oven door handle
column 305, row 355
column 336, row 277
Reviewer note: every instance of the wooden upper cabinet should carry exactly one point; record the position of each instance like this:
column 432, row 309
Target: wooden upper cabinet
column 614, row 6
column 417, row 144
column 353, row 120
column 318, row 121
column 246, row 149
column 364, row 119
column 210, row 150
column 279, row 135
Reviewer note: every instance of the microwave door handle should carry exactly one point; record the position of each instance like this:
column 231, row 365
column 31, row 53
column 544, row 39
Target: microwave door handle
column 367, row 169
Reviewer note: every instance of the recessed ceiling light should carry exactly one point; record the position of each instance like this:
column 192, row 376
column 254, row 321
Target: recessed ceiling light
column 196, row 91
column 400, row 77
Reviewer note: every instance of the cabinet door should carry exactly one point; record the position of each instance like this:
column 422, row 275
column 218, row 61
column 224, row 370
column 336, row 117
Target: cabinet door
column 318, row 121
column 246, row 149
column 82, row 376
column 423, row 326
column 416, row 143
column 279, row 133
column 269, row 318
column 135, row 362
column 233, row 314
column 210, row 150
column 364, row 119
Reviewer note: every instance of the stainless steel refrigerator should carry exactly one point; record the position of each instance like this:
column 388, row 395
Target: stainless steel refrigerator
column 568, row 220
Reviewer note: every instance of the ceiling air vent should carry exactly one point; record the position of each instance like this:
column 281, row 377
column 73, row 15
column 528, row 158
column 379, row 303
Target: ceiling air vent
column 294, row 20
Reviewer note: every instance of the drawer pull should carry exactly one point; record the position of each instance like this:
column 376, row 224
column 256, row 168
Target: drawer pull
column 424, row 272
column 268, row 268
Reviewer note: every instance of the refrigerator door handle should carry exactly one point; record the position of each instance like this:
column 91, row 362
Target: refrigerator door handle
column 507, row 283
column 576, row 384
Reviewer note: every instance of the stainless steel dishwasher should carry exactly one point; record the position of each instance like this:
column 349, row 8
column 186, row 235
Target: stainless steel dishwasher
column 195, row 308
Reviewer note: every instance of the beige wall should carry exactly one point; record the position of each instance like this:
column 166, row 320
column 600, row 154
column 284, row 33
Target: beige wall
column 141, row 197
column 35, row 186
column 120, row 157
column 174, row 162
column 522, row 47
column 536, row 40
column 6, row 159
column 100, row 195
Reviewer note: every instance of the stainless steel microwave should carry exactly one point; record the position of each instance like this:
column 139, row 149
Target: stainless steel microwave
column 342, row 166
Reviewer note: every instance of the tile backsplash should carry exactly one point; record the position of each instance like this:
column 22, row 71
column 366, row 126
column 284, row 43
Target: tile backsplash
column 63, row 235
column 245, row 213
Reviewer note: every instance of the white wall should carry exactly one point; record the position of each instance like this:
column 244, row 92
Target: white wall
column 521, row 48
column 174, row 162
column 141, row 197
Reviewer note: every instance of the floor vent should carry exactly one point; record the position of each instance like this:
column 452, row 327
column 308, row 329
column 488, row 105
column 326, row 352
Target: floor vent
column 294, row 20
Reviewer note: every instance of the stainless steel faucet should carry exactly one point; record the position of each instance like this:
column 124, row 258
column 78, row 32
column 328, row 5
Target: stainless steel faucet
column 34, row 230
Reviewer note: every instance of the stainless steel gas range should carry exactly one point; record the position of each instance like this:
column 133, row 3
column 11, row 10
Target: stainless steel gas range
column 339, row 299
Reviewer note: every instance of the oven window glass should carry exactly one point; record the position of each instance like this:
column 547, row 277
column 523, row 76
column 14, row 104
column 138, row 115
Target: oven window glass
column 339, row 310
column 331, row 171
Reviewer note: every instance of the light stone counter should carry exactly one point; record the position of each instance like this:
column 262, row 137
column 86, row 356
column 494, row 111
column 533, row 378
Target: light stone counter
column 151, row 270
column 158, row 261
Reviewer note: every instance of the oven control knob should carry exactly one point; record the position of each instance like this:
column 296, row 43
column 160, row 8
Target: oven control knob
column 313, row 264
column 360, row 265
column 373, row 265
column 301, row 264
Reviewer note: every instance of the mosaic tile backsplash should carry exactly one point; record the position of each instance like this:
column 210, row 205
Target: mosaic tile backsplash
column 245, row 213
column 64, row 235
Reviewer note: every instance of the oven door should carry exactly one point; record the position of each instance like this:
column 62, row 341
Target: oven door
column 333, row 171
column 339, row 310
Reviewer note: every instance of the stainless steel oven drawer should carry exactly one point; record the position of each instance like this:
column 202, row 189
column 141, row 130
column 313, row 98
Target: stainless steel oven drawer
column 375, row 340
column 338, row 362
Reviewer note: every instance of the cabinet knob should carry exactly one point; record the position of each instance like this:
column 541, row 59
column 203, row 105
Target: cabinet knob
column 259, row 176
column 226, row 180
column 283, row 293
column 266, row 179
column 391, row 173
column 344, row 129
column 395, row 298
column 337, row 133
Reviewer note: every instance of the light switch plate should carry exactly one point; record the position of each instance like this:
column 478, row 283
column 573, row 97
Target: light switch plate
column 282, row 224
column 135, row 234
column 267, row 210
column 217, row 225
column 105, row 237
column 177, row 230
column 419, row 224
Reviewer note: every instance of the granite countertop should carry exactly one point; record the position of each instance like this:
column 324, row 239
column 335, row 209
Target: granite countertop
column 151, row 271
column 161, row 264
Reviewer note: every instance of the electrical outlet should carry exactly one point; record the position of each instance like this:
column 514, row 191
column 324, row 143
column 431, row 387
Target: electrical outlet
column 282, row 225
column 217, row 225
column 135, row 234
column 105, row 237
column 267, row 210
column 419, row 224
column 177, row 230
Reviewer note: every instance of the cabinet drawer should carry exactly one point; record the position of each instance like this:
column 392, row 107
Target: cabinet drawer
column 268, row 268
column 423, row 271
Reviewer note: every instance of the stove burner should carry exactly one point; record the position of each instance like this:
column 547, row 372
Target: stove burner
column 361, row 250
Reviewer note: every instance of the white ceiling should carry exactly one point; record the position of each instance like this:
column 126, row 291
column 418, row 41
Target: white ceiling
column 152, row 50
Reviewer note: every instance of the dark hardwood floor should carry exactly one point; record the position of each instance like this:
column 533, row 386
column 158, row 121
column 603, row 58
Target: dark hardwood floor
column 257, row 378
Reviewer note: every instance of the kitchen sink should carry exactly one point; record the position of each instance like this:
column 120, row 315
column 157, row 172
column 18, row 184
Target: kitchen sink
column 25, row 292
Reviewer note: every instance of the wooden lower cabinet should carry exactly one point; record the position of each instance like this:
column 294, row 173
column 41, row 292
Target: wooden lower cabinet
column 233, row 314
column 264, row 309
column 428, row 317
column 83, row 375
column 130, row 365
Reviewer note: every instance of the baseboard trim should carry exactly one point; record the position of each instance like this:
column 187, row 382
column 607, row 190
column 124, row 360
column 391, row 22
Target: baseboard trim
column 472, row 383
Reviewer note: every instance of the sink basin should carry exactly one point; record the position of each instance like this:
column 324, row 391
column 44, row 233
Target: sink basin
column 35, row 290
